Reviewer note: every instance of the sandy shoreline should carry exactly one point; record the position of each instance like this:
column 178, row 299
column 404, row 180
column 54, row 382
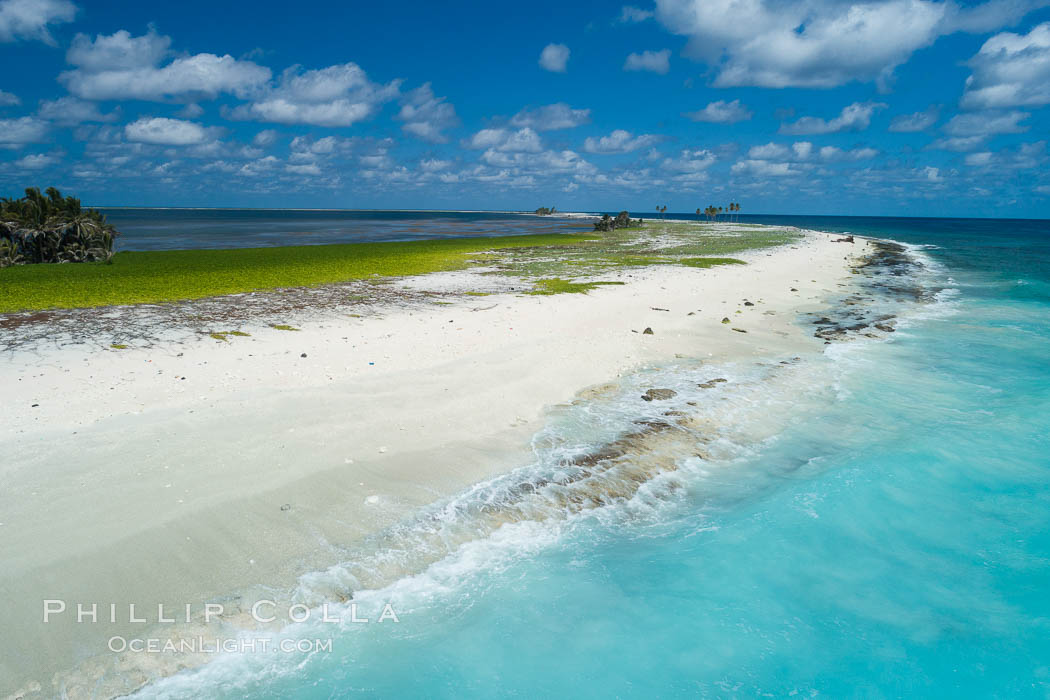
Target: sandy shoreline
column 180, row 473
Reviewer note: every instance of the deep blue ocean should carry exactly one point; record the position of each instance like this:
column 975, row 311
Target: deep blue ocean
column 870, row 521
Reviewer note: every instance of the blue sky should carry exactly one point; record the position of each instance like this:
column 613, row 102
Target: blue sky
column 916, row 107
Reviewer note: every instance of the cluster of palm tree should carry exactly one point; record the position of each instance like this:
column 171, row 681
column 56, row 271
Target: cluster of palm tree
column 661, row 210
column 49, row 228
column 713, row 212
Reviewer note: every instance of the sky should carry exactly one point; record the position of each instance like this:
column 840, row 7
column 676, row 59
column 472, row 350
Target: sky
column 885, row 107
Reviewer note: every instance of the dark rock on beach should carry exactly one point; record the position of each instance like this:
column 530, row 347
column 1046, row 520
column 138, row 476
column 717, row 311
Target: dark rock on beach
column 647, row 331
column 659, row 394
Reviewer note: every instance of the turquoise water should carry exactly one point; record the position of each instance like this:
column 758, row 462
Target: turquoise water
column 870, row 521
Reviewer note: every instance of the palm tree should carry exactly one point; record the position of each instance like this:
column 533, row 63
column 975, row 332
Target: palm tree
column 48, row 227
column 663, row 211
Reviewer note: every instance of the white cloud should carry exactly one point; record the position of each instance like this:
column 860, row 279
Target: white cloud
column 29, row 19
column 433, row 165
column 427, row 116
column 122, row 67
column 164, row 131
column 917, row 121
column 507, row 140
column 854, row 117
column 984, row 124
column 1026, row 155
column 542, row 163
column 830, row 154
column 306, row 148
column 959, row 143
column 339, row 95
column 933, row 174
column 554, row 57
column 690, row 161
column 979, row 159
column 631, row 14
column 821, row 43
column 1011, row 70
column 266, row 137
column 191, row 111
column 721, row 112
column 9, row 100
column 69, row 111
column 307, row 169
column 802, row 151
column 769, row 151
column 619, row 141
column 763, row 168
column 551, row 117
column 652, row 61
column 14, row 132
column 36, row 161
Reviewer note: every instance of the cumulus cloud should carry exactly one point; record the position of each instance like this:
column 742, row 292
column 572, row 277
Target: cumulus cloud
column 854, row 117
column 426, row 116
column 721, row 112
column 507, row 140
column 690, row 161
column 803, row 151
column 122, row 67
column 984, row 124
column 9, row 100
column 764, row 168
column 1011, row 70
column 652, row 61
column 16, row 132
column 29, row 19
column 164, row 131
column 542, row 163
column 619, row 141
column 1026, row 155
column 551, row 117
column 917, row 121
column 264, row 138
column 631, row 14
column 554, row 57
column 339, row 95
column 821, row 43
column 831, row 154
column 306, row 148
column 303, row 169
column 959, row 144
column 70, row 111
column 36, row 161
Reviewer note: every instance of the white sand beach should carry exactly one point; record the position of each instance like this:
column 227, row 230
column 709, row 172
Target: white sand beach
column 180, row 472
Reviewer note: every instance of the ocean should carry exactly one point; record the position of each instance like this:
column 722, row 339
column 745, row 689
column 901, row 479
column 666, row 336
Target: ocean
column 869, row 520
column 172, row 229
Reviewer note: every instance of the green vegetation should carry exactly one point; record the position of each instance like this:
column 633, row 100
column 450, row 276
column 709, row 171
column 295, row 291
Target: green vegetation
column 555, row 263
column 283, row 327
column 118, row 346
column 546, row 211
column 151, row 277
column 560, row 286
column 224, row 335
column 709, row 262
column 52, row 229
